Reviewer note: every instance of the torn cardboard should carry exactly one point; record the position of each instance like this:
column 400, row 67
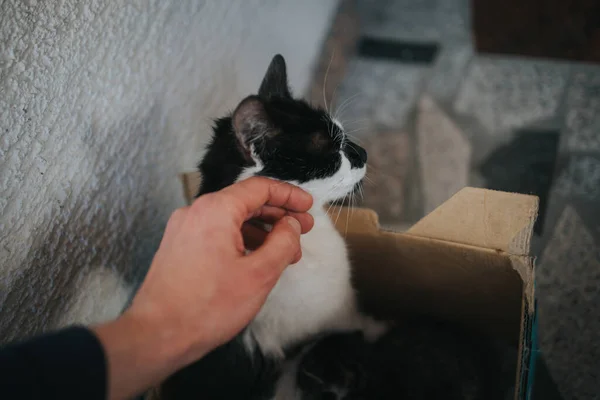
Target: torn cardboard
column 467, row 261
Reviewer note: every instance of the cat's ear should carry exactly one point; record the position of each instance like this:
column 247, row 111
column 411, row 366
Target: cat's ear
column 251, row 123
column 275, row 82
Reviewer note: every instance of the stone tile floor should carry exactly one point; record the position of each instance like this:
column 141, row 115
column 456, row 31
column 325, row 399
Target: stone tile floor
column 435, row 116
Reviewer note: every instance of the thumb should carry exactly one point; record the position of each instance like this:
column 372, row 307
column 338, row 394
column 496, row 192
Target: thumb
column 281, row 247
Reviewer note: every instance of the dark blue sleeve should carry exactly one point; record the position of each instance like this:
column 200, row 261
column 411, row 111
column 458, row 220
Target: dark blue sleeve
column 68, row 364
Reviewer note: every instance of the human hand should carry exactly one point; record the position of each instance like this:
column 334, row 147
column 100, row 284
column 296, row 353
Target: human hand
column 201, row 281
column 202, row 289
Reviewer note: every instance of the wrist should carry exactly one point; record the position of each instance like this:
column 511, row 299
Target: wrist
column 174, row 340
column 156, row 339
column 141, row 351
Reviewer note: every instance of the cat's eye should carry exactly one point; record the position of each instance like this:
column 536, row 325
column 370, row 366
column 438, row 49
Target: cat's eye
column 320, row 142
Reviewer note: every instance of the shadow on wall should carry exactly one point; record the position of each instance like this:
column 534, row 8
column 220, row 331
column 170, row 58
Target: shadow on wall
column 98, row 244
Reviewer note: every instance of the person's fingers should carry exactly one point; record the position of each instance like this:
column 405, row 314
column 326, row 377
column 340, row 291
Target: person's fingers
column 255, row 233
column 280, row 249
column 271, row 215
column 268, row 213
column 245, row 197
column 305, row 219
column 254, row 236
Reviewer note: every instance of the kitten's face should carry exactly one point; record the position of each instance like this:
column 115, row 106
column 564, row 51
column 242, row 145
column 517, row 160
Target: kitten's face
column 283, row 138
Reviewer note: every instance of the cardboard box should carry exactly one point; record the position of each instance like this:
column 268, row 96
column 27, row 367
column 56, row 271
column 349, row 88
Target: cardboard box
column 467, row 261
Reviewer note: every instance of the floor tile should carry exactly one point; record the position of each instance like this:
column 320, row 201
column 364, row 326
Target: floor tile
column 582, row 121
column 568, row 291
column 444, row 154
column 377, row 94
column 525, row 165
column 448, row 71
column 580, row 178
column 338, row 49
column 506, row 94
column 389, row 164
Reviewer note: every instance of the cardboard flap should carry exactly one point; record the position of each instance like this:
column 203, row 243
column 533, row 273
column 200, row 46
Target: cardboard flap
column 396, row 273
column 191, row 185
column 483, row 218
column 354, row 220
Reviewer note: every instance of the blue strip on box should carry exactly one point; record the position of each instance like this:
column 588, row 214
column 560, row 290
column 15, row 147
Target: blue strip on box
column 534, row 353
column 529, row 353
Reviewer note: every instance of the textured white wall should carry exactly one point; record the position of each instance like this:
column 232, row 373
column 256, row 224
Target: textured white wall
column 102, row 103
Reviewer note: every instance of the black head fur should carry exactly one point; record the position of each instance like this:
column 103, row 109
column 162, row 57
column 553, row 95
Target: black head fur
column 293, row 140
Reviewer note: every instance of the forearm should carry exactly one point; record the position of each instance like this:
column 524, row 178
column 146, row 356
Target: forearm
column 66, row 364
column 141, row 353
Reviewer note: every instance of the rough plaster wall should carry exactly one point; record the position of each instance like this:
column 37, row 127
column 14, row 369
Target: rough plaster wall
column 101, row 105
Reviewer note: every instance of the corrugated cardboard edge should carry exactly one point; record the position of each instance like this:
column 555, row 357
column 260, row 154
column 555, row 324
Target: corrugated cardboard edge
column 528, row 338
column 191, row 183
column 490, row 219
column 364, row 220
column 483, row 218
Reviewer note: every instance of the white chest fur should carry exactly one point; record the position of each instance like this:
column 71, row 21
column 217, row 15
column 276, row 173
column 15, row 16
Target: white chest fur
column 312, row 296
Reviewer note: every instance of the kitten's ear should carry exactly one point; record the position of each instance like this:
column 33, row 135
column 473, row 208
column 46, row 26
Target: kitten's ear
column 275, row 82
column 251, row 123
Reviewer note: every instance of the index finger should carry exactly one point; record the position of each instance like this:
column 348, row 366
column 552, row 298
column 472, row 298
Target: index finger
column 247, row 196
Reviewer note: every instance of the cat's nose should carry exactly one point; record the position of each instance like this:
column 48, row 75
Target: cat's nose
column 356, row 154
column 362, row 153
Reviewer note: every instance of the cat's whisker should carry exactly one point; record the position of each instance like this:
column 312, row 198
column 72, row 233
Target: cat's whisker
column 325, row 81
column 351, row 145
column 354, row 137
column 380, row 172
column 348, row 213
column 357, row 127
column 331, row 101
column 354, row 121
column 345, row 104
column 332, row 202
column 340, row 210
column 352, row 131
column 358, row 130
column 329, row 124
column 371, row 167
column 352, row 198
column 346, row 227
column 369, row 180
column 312, row 376
column 340, row 136
column 329, row 208
column 384, row 174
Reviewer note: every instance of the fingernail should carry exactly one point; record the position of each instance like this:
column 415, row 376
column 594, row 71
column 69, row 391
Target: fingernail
column 294, row 224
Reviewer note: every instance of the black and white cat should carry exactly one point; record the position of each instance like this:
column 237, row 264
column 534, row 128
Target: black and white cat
column 274, row 135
